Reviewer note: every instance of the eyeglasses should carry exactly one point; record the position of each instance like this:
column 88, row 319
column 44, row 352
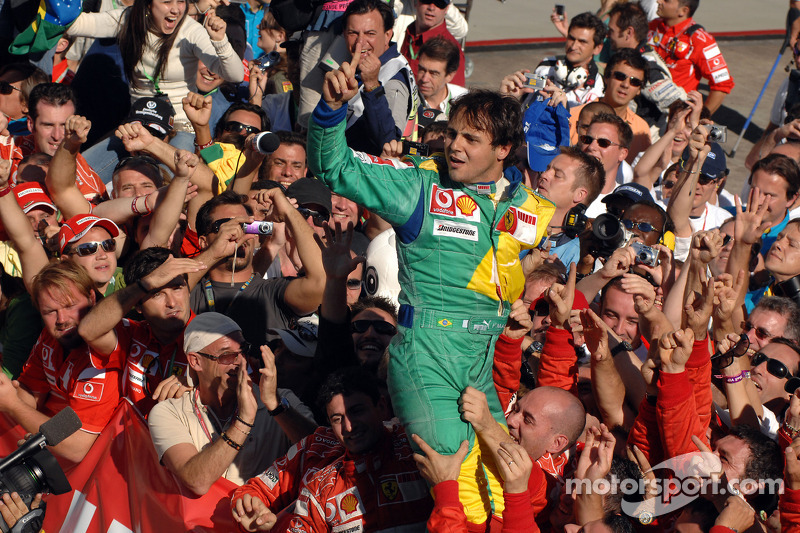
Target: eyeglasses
column 133, row 159
column 317, row 217
column 441, row 4
column 643, row 226
column 602, row 143
column 705, row 179
column 621, row 76
column 774, row 367
column 381, row 327
column 353, row 283
column 237, row 127
column 6, row 88
column 229, row 358
column 726, row 239
column 792, row 385
column 761, row 333
column 90, row 248
column 737, row 350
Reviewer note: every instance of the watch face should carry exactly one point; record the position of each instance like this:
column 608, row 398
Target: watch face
column 537, row 346
column 627, row 346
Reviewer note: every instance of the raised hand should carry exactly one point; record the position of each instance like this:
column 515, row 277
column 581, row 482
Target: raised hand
column 475, row 409
column 726, row 294
column 197, row 108
column 519, row 321
column 749, row 225
column 134, row 136
column 168, row 271
column 341, row 85
column 336, row 257
column 595, row 460
column 561, row 298
column 514, row 84
column 185, row 164
column 674, row 350
column 76, row 131
column 595, row 335
column 215, row 26
column 706, row 245
column 436, row 467
column 697, row 309
column 268, row 383
column 644, row 294
column 515, row 467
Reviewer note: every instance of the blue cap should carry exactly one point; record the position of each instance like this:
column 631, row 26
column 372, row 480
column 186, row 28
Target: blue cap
column 715, row 166
column 546, row 130
column 630, row 191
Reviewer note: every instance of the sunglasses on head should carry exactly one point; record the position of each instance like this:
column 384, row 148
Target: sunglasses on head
column 602, row 143
column 6, row 88
column 90, row 248
column 229, row 358
column 132, row 159
column 774, row 367
column 642, row 226
column 621, row 76
column 761, row 333
column 316, row 216
column 737, row 350
column 381, row 327
column 705, row 179
column 233, row 126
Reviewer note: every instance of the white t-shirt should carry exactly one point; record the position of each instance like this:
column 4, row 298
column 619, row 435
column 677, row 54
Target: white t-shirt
column 712, row 217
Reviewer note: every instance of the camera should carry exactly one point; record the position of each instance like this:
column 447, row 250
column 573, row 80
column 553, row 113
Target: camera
column 607, row 235
column 258, row 228
column 560, row 10
column 267, row 61
column 788, row 289
column 534, row 82
column 575, row 221
column 415, row 148
column 645, row 255
column 37, row 473
column 717, row 134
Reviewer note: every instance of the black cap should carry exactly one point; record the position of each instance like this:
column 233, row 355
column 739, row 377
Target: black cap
column 311, row 191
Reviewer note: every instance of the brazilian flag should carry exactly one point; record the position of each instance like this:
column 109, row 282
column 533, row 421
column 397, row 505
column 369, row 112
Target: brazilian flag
column 52, row 19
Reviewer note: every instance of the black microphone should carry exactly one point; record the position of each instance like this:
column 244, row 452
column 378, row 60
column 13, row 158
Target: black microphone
column 265, row 142
column 51, row 433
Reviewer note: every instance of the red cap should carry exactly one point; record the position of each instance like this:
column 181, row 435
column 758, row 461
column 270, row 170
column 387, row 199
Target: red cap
column 30, row 195
column 76, row 227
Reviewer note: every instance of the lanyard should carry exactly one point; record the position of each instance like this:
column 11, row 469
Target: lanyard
column 211, row 416
column 168, row 370
column 411, row 51
column 154, row 80
column 209, row 290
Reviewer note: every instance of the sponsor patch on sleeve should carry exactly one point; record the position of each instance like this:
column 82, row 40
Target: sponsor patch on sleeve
column 711, row 51
column 454, row 204
column 721, row 75
column 520, row 224
column 270, row 477
column 459, row 230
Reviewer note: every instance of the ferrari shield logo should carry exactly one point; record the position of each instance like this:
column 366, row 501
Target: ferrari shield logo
column 390, row 489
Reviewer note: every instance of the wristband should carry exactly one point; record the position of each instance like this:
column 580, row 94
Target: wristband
column 734, row 379
column 5, row 191
column 239, row 418
column 792, row 432
column 230, row 442
column 240, row 430
column 205, row 145
column 134, row 209
column 146, row 208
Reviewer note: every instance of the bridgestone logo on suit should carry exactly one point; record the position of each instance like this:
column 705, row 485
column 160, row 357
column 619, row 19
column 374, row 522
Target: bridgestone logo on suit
column 442, row 228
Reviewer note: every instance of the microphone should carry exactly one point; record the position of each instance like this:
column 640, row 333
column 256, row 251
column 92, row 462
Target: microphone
column 265, row 142
column 51, row 433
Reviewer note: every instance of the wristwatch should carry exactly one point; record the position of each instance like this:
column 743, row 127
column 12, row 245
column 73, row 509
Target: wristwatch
column 283, row 405
column 624, row 346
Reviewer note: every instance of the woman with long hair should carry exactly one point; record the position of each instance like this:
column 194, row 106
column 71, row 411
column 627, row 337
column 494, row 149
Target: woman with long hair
column 161, row 46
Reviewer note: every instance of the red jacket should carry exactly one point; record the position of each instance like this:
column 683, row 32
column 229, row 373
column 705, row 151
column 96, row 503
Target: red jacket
column 336, row 490
column 558, row 366
column 690, row 57
column 790, row 511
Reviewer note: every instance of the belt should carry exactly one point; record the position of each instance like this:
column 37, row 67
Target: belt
column 444, row 320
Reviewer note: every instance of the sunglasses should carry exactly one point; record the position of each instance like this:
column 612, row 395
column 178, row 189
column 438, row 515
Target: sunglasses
column 761, row 333
column 233, row 126
column 316, row 216
column 441, row 4
column 229, row 358
column 737, row 350
column 642, row 226
column 90, row 248
column 6, row 88
column 621, row 76
column 774, row 367
column 705, row 179
column 542, row 308
column 726, row 239
column 353, row 283
column 381, row 327
column 133, row 159
column 602, row 143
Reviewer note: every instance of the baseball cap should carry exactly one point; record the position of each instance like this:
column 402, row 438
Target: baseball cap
column 311, row 191
column 546, row 130
column 630, row 191
column 30, row 195
column 428, row 116
column 77, row 226
column 155, row 114
column 715, row 166
column 206, row 328
column 302, row 339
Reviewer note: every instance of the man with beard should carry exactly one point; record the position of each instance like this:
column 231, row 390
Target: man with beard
column 62, row 371
column 225, row 426
column 233, row 288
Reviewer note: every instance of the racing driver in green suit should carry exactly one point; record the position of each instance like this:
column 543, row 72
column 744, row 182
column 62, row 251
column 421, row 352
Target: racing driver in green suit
column 460, row 231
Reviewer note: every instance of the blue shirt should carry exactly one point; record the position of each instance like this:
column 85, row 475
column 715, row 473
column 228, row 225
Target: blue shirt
column 251, row 22
column 772, row 235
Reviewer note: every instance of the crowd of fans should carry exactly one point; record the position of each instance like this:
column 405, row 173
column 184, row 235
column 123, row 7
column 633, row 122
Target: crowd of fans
column 324, row 270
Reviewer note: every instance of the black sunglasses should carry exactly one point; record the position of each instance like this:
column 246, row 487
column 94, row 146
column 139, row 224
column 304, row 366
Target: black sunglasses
column 90, row 248
column 229, row 358
column 381, row 327
column 441, row 4
column 774, row 367
column 737, row 350
column 705, row 179
column 237, row 127
column 542, row 308
column 132, row 159
column 621, row 76
column 316, row 216
column 643, row 226
column 6, row 88
column 726, row 239
column 602, row 143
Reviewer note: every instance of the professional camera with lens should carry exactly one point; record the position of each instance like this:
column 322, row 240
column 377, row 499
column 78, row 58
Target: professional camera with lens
column 607, row 235
column 33, row 474
column 788, row 289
